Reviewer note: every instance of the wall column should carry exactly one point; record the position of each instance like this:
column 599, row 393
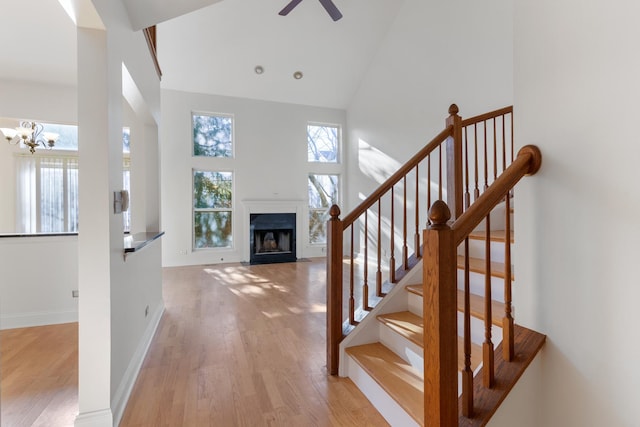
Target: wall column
column 100, row 151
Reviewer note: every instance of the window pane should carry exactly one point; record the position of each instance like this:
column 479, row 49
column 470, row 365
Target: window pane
column 68, row 135
column 212, row 229
column 323, row 191
column 317, row 226
column 322, row 144
column 212, row 189
column 126, row 140
column 72, row 195
column 51, row 196
column 126, row 184
column 212, row 136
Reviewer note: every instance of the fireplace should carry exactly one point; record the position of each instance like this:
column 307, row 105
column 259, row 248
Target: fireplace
column 272, row 238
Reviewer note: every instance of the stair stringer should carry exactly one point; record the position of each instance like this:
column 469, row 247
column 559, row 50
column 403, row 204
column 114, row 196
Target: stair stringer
column 368, row 330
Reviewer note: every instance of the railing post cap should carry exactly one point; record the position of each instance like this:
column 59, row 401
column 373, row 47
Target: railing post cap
column 453, row 109
column 439, row 214
column 334, row 211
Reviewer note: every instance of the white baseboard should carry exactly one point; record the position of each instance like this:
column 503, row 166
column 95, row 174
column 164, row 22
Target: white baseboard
column 121, row 396
column 102, row 418
column 27, row 320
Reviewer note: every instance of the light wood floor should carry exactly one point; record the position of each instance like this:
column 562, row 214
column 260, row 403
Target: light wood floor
column 239, row 346
column 39, row 376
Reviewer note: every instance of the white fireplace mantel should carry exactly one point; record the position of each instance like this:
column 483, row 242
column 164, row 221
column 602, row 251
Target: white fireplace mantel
column 256, row 206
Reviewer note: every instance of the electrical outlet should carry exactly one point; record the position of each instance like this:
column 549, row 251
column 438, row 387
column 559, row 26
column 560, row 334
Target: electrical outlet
column 146, row 311
column 182, row 252
column 75, row 294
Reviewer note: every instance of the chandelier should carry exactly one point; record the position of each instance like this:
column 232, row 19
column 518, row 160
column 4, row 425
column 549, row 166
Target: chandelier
column 30, row 134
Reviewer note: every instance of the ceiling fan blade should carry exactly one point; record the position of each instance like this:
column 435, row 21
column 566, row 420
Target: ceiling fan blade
column 331, row 9
column 288, row 8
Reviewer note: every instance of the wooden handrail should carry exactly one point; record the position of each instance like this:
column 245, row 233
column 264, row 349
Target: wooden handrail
column 526, row 163
column 396, row 177
column 486, row 116
column 152, row 44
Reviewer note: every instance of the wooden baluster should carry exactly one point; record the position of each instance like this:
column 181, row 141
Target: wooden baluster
column 512, row 157
column 467, row 372
column 405, row 248
column 486, row 160
column 467, row 194
column 334, row 288
column 504, row 144
column 495, row 151
column 476, row 190
column 440, row 172
column 379, row 253
column 428, row 185
column 352, row 301
column 488, row 377
column 392, row 258
column 507, row 322
column 416, row 239
column 440, row 314
column 511, row 116
column 454, row 163
column 365, row 285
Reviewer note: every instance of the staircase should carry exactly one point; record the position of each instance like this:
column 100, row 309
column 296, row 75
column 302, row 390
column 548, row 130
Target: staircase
column 406, row 365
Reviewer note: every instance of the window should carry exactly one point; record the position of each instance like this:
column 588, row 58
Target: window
column 47, row 194
column 212, row 135
column 126, row 175
column 323, row 192
column 322, row 143
column 212, row 208
column 47, row 185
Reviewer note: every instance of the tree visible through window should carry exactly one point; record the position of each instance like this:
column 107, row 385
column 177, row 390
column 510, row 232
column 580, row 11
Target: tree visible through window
column 323, row 192
column 212, row 209
column 212, row 135
column 322, row 143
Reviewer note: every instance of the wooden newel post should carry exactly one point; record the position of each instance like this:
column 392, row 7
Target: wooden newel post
column 454, row 163
column 334, row 289
column 440, row 328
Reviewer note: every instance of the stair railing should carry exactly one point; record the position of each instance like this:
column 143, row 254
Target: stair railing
column 476, row 149
column 441, row 241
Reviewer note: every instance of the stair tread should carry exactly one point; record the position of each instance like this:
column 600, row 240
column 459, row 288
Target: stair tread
column 477, row 265
column 398, row 378
column 477, row 304
column 411, row 326
column 494, row 235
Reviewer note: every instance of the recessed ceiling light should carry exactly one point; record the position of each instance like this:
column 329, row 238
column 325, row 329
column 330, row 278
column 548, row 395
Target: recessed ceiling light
column 297, row 75
column 259, row 69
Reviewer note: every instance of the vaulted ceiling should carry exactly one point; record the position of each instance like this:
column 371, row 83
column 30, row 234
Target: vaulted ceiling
column 213, row 46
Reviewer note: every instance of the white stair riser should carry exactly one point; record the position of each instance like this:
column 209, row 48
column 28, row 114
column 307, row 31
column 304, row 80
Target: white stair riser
column 477, row 325
column 477, row 249
column 407, row 350
column 476, row 284
column 385, row 404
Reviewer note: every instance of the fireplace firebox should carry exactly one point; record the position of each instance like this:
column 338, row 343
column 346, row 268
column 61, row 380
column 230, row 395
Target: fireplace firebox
column 272, row 238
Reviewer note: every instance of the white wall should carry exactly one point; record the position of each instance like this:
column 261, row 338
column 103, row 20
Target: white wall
column 270, row 164
column 436, row 54
column 38, row 275
column 576, row 95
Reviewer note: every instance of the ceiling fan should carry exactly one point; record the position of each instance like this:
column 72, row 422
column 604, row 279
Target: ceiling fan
column 331, row 8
